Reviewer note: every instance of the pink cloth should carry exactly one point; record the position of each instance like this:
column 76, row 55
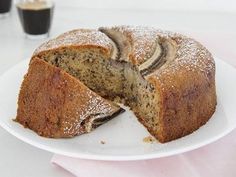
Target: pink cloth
column 217, row 159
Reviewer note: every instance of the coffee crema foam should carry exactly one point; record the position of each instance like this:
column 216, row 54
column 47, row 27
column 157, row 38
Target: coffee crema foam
column 36, row 5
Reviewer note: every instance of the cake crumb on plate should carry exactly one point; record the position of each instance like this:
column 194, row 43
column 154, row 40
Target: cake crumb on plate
column 148, row 139
column 102, row 142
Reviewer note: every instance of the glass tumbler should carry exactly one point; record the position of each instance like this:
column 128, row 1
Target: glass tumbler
column 35, row 17
column 5, row 7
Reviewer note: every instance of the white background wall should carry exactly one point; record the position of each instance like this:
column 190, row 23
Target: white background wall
column 205, row 5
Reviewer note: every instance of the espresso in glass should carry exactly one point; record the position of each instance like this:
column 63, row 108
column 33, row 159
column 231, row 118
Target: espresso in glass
column 36, row 17
column 5, row 6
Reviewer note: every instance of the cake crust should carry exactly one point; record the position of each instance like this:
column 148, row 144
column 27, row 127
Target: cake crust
column 55, row 104
column 80, row 38
column 187, row 89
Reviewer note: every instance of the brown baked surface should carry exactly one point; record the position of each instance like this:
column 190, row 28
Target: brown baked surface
column 80, row 38
column 187, row 89
column 55, row 104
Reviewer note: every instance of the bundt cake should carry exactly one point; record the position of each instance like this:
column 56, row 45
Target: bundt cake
column 167, row 79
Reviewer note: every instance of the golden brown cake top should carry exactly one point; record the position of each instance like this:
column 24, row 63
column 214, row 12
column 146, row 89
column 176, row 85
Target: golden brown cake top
column 150, row 45
column 142, row 41
column 78, row 38
column 146, row 47
column 190, row 56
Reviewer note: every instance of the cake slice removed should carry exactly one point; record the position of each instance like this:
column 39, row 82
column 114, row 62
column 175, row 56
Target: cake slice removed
column 55, row 104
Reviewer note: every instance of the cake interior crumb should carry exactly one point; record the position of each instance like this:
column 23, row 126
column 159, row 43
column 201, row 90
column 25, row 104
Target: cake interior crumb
column 148, row 139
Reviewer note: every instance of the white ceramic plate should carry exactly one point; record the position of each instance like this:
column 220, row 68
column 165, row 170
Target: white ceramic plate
column 123, row 136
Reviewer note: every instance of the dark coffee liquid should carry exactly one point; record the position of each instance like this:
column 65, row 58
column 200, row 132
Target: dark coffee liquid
column 36, row 21
column 5, row 6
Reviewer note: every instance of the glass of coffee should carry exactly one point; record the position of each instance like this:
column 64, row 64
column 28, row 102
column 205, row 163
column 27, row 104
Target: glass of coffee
column 5, row 7
column 36, row 17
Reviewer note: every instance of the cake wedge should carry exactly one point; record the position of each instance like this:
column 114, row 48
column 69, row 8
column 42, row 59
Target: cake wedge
column 57, row 105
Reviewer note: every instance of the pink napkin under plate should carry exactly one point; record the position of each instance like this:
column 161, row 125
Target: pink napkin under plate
column 217, row 159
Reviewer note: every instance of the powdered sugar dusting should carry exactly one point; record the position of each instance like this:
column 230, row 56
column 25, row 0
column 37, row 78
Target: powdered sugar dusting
column 189, row 53
column 191, row 58
column 92, row 105
column 143, row 41
column 78, row 37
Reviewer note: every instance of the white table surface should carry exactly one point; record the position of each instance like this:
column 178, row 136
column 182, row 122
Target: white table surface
column 217, row 31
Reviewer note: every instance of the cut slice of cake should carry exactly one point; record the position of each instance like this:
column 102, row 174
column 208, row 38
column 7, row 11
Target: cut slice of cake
column 55, row 104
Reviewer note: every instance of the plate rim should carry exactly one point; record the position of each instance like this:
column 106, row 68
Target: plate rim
column 115, row 157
